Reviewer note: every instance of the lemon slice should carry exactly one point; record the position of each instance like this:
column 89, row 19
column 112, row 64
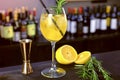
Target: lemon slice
column 66, row 54
column 83, row 57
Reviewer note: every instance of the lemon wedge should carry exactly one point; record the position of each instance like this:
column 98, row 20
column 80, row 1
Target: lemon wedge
column 83, row 57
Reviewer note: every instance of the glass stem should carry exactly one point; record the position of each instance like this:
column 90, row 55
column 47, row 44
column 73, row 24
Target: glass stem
column 53, row 66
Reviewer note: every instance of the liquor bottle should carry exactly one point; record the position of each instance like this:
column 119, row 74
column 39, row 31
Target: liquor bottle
column 36, row 22
column 26, row 13
column 2, row 23
column 23, row 13
column 118, row 18
column 108, row 18
column 113, row 25
column 86, row 22
column 3, row 16
column 98, row 15
column 34, row 16
column 16, row 27
column 23, row 29
column 8, row 28
column 73, row 29
column 23, row 25
column 69, row 15
column 80, row 21
column 10, row 13
column 103, row 26
column 31, row 28
column 19, row 15
column 92, row 21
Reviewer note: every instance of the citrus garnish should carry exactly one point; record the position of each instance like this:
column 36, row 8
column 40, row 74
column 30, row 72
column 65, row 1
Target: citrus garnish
column 66, row 54
column 83, row 57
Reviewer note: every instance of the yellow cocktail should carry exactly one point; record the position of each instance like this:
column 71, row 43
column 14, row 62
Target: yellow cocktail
column 53, row 27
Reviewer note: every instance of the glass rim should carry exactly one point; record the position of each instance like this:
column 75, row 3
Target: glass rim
column 25, row 40
column 50, row 10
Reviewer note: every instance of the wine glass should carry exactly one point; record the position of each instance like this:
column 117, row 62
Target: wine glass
column 53, row 27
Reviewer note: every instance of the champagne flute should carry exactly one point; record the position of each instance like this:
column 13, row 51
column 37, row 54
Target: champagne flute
column 53, row 27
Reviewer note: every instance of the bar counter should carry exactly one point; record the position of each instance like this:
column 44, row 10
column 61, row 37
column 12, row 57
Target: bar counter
column 110, row 61
column 41, row 49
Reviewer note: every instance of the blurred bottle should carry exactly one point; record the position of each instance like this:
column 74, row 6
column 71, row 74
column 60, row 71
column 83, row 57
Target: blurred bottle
column 35, row 16
column 16, row 27
column 3, row 17
column 108, row 18
column 98, row 15
column 69, row 15
column 113, row 25
column 10, row 13
column 73, row 29
column 23, row 13
column 26, row 11
column 36, row 22
column 31, row 27
column 86, row 22
column 8, row 32
column 118, row 18
column 80, row 21
column 19, row 15
column 92, row 21
column 2, row 23
column 103, row 23
column 23, row 24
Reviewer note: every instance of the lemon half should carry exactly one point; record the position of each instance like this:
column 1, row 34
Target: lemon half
column 66, row 54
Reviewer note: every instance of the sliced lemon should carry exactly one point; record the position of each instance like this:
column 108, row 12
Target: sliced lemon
column 66, row 54
column 83, row 57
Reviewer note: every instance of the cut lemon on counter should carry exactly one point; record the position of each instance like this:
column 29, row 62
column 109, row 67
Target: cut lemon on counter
column 66, row 54
column 83, row 57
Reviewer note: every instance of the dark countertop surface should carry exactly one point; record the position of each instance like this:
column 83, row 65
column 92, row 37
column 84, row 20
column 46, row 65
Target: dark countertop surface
column 110, row 61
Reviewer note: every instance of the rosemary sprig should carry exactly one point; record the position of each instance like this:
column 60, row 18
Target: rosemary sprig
column 92, row 70
column 59, row 5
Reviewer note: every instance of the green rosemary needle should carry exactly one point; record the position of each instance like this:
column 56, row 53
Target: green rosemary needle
column 92, row 70
column 59, row 5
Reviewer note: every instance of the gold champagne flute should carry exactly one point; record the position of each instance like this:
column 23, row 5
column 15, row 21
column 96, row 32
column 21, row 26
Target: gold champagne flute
column 53, row 27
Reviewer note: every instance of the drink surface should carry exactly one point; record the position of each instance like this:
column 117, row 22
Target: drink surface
column 48, row 28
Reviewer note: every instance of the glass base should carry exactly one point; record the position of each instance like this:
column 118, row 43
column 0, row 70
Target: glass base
column 53, row 73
